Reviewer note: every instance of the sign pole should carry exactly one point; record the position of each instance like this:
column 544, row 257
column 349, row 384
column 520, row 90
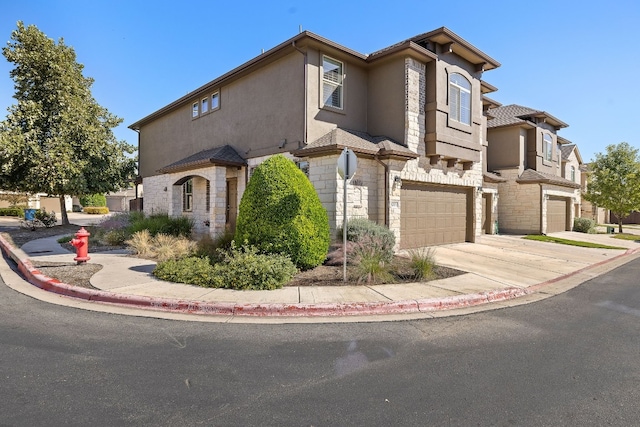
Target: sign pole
column 344, row 217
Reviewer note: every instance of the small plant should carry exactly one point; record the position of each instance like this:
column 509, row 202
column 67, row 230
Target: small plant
column 65, row 239
column 422, row 263
column 141, row 243
column 584, row 225
column 47, row 218
column 245, row 268
column 209, row 247
column 96, row 210
column 161, row 223
column 370, row 263
column 192, row 270
column 365, row 230
column 115, row 237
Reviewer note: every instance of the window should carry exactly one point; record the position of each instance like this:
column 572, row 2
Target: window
column 205, row 105
column 187, row 196
column 547, row 146
column 573, row 173
column 215, row 101
column 332, row 76
column 208, row 197
column 194, row 110
column 303, row 165
column 460, row 98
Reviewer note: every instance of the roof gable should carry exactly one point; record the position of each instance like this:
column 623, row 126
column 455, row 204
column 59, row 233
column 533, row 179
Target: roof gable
column 225, row 156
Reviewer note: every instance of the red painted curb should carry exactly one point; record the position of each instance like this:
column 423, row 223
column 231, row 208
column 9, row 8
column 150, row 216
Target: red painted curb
column 38, row 279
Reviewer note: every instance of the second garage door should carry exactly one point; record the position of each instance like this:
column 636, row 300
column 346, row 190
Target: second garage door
column 556, row 214
column 432, row 215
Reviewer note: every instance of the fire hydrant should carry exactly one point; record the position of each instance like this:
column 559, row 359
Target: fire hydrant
column 81, row 243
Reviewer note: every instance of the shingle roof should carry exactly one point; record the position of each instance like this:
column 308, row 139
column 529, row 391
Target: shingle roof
column 359, row 142
column 509, row 115
column 566, row 150
column 492, row 177
column 530, row 176
column 225, row 155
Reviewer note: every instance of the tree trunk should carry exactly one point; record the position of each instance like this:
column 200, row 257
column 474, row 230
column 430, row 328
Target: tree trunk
column 63, row 211
column 620, row 224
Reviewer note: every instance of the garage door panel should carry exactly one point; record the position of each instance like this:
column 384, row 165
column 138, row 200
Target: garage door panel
column 435, row 215
column 556, row 214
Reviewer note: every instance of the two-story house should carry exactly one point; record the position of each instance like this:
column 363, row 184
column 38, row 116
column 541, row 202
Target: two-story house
column 413, row 114
column 526, row 152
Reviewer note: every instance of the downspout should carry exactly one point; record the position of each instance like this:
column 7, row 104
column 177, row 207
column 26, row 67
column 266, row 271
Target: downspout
column 306, row 61
column 386, row 190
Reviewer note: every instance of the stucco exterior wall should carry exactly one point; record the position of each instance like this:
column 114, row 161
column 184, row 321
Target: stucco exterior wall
column 386, row 90
column 506, row 148
column 255, row 128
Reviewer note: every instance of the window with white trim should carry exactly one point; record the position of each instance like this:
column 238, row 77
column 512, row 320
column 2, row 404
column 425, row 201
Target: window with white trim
column 204, row 105
column 215, row 101
column 460, row 98
column 547, row 142
column 195, row 111
column 573, row 173
column 187, row 196
column 332, row 83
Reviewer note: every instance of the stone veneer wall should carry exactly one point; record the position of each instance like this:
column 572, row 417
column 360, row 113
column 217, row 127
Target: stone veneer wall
column 519, row 205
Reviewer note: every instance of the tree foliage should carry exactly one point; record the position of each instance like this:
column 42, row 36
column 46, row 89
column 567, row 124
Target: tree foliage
column 614, row 181
column 280, row 212
column 57, row 139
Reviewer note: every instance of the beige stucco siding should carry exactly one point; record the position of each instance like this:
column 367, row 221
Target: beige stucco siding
column 354, row 114
column 506, row 148
column 386, row 115
column 256, row 113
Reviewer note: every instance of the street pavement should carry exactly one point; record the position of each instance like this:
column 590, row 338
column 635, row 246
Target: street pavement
column 501, row 271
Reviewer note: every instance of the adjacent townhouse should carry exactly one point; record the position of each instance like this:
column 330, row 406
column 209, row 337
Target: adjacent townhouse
column 415, row 114
column 540, row 191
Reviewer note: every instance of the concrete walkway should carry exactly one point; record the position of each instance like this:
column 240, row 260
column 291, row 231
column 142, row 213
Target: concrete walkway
column 501, row 271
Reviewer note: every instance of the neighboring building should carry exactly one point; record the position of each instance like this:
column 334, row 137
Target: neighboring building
column 43, row 201
column 588, row 209
column 571, row 168
column 414, row 114
column 525, row 151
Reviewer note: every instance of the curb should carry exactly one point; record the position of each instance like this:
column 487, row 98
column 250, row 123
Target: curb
column 46, row 283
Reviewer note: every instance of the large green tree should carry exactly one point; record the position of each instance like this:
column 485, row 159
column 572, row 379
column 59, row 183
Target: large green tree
column 57, row 139
column 614, row 181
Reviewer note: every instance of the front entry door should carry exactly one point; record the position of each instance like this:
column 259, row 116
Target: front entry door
column 232, row 203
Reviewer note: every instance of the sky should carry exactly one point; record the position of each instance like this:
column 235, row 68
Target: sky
column 576, row 60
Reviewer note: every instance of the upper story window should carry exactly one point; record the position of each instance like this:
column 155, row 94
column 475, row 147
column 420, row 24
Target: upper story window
column 215, row 101
column 573, row 173
column 547, row 142
column 204, row 105
column 332, row 83
column 460, row 98
column 195, row 111
column 187, row 196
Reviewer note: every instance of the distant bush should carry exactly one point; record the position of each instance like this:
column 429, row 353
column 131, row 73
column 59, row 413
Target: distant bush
column 161, row 224
column 96, row 210
column 281, row 213
column 13, row 211
column 584, row 225
column 360, row 229
column 47, row 218
column 95, row 200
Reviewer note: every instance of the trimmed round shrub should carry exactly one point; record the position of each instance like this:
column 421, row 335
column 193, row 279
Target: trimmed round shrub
column 584, row 225
column 191, row 270
column 281, row 213
column 98, row 200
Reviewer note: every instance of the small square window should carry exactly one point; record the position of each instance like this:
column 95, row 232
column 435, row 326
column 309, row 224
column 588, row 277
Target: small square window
column 195, row 110
column 215, row 101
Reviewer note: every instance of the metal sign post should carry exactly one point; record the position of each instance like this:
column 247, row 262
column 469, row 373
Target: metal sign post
column 347, row 164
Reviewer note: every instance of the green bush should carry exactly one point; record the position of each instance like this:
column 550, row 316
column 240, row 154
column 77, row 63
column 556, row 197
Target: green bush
column 422, row 263
column 161, row 224
column 191, row 270
column 47, row 218
column 13, row 211
column 370, row 262
column 95, row 210
column 210, row 247
column 281, row 213
column 245, row 268
column 95, row 200
column 360, row 229
column 584, row 225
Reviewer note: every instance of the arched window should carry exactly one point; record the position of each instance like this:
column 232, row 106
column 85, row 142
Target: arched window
column 460, row 98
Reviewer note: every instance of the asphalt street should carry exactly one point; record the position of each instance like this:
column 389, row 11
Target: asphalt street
column 568, row 360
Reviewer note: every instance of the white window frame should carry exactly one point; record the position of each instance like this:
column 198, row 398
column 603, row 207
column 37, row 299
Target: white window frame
column 187, row 196
column 457, row 92
column 573, row 173
column 215, row 96
column 547, row 146
column 195, row 110
column 204, row 105
column 336, row 83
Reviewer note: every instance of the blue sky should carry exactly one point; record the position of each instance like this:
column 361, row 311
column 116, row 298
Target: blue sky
column 575, row 60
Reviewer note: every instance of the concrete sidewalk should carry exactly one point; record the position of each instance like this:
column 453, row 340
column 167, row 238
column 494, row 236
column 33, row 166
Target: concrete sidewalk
column 501, row 271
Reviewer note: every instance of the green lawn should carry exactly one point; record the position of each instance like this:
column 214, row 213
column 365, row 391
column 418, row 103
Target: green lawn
column 541, row 238
column 626, row 236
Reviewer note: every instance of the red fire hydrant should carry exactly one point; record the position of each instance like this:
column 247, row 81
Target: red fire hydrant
column 81, row 243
